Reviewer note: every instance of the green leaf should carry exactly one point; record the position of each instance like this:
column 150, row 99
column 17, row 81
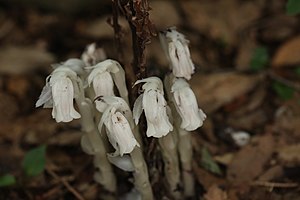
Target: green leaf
column 208, row 163
column 34, row 161
column 260, row 58
column 293, row 7
column 7, row 180
column 283, row 91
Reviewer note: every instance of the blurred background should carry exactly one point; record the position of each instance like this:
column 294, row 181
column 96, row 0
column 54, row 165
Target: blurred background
column 247, row 80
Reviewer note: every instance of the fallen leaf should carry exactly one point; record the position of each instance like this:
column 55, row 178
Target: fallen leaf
column 158, row 14
column 224, row 159
column 23, row 59
column 205, row 16
column 206, row 178
column 215, row 193
column 99, row 28
column 216, row 90
column 287, row 54
column 272, row 174
column 289, row 153
column 249, row 162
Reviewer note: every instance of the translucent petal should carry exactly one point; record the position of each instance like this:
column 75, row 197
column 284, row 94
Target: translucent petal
column 120, row 81
column 123, row 162
column 46, row 95
column 76, row 65
column 138, row 109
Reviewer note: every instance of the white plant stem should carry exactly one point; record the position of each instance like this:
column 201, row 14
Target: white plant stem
column 168, row 148
column 141, row 178
column 186, row 157
column 106, row 176
column 184, row 144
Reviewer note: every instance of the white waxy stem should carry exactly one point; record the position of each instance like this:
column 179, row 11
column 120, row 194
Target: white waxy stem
column 104, row 74
column 176, row 48
column 186, row 105
column 154, row 105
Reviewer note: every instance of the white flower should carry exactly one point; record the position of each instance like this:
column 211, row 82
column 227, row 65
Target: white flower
column 103, row 77
column 116, row 118
column 92, row 55
column 176, row 48
column 152, row 101
column 74, row 64
column 59, row 93
column 186, row 105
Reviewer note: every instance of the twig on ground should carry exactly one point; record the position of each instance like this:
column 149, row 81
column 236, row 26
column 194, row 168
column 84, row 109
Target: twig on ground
column 66, row 184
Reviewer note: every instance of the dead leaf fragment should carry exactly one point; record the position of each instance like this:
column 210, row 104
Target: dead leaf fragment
column 216, row 90
column 288, row 53
column 158, row 14
column 205, row 16
column 215, row 193
column 249, row 162
column 23, row 59
column 289, row 153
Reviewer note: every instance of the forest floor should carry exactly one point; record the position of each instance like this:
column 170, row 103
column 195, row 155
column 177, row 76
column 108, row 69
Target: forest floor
column 247, row 58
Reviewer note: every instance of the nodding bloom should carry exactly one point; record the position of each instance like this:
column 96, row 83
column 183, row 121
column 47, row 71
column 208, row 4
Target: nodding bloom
column 186, row 105
column 92, row 55
column 175, row 45
column 103, row 77
column 118, row 121
column 58, row 93
column 152, row 101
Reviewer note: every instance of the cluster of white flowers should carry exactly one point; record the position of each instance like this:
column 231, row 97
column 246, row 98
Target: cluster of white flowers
column 104, row 76
column 176, row 48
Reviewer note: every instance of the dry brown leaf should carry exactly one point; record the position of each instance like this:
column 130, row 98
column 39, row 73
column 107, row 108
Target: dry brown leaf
column 289, row 153
column 206, row 178
column 158, row 14
column 272, row 173
column 20, row 60
column 244, row 54
column 215, row 193
column 288, row 53
column 205, row 16
column 216, row 90
column 99, row 28
column 249, row 162
column 288, row 117
column 9, row 107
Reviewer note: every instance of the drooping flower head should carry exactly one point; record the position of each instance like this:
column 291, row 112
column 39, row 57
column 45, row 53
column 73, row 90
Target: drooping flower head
column 93, row 55
column 152, row 101
column 175, row 45
column 103, row 77
column 118, row 121
column 58, row 93
column 186, row 105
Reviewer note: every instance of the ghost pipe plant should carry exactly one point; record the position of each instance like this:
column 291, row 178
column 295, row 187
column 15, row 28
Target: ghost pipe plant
column 176, row 49
column 103, row 77
column 188, row 117
column 93, row 55
column 62, row 86
column 117, row 118
column 153, row 103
